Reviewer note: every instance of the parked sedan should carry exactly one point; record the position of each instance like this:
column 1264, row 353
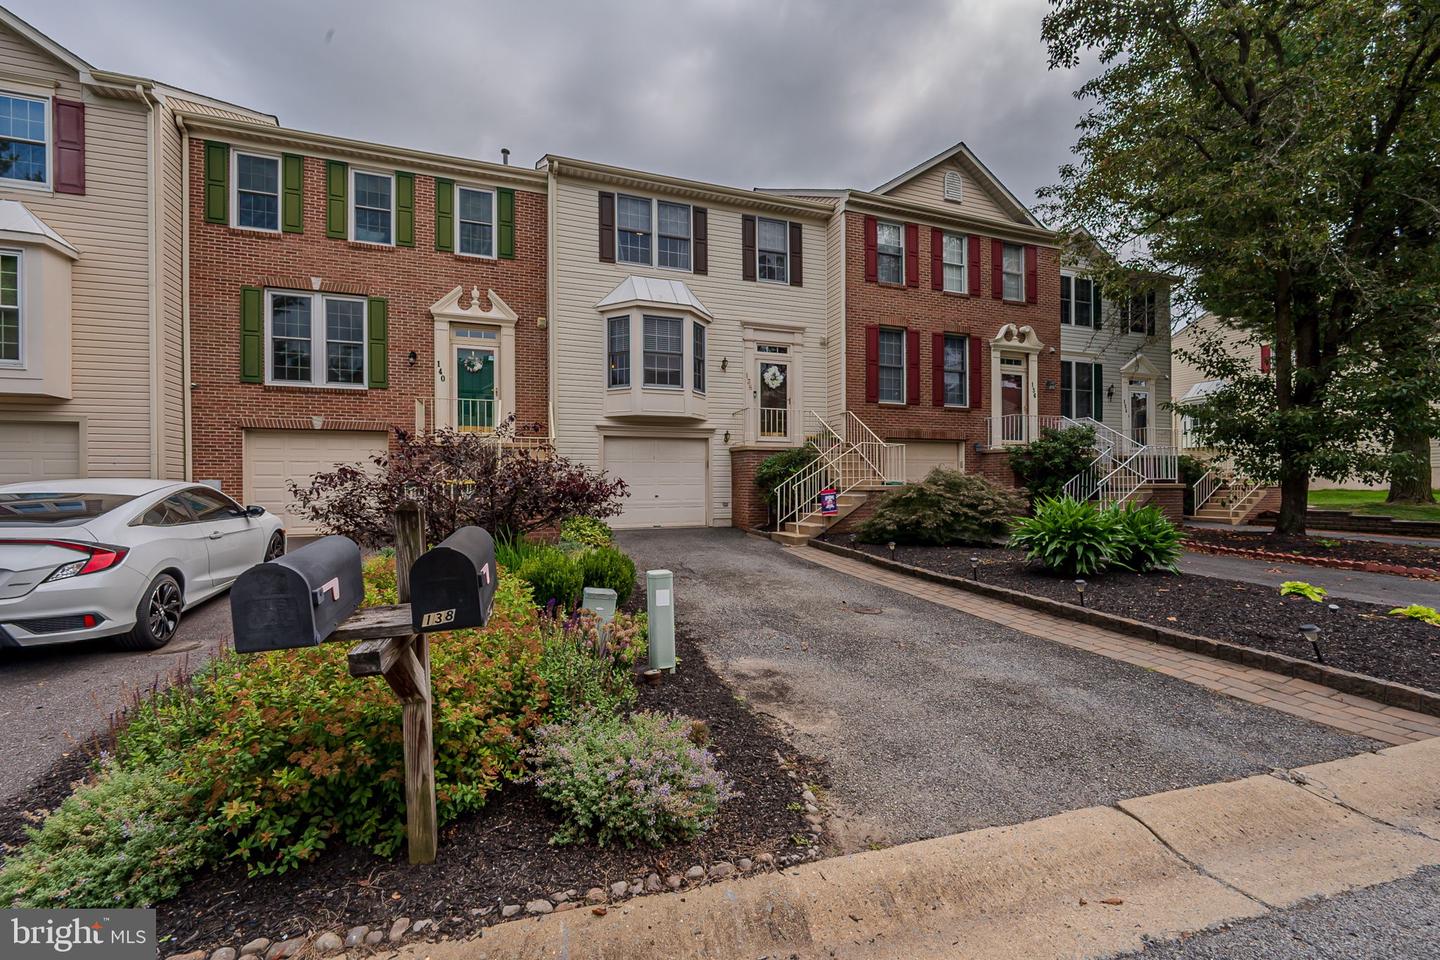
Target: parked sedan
column 81, row 559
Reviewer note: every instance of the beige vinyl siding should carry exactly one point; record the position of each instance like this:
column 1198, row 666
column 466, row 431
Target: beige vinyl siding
column 578, row 364
column 835, row 317
column 110, row 282
column 215, row 110
column 929, row 187
column 171, row 276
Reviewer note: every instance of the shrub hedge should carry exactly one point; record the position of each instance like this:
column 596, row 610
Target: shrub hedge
column 947, row 508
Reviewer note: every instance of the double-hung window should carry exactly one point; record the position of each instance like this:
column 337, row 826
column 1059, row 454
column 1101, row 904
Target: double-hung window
column 1077, row 388
column 257, row 191
column 674, row 248
column 24, row 139
column 475, row 222
column 10, row 307
column 697, row 352
column 617, row 351
column 955, row 364
column 953, row 248
column 374, row 205
column 664, row 352
column 1013, row 268
column 1141, row 311
column 315, row 339
column 892, row 365
column 772, row 250
column 632, row 229
column 889, row 252
column 1077, row 301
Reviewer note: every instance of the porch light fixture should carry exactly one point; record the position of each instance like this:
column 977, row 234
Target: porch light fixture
column 724, row 364
column 1110, row 392
column 975, row 569
column 413, row 357
column 1312, row 635
column 1080, row 589
column 727, row 436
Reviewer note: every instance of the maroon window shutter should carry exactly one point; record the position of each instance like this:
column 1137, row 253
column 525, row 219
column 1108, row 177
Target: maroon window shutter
column 937, row 259
column 937, row 369
column 973, row 372
column 607, row 227
column 747, row 247
column 872, row 270
column 1265, row 358
column 872, row 363
column 69, row 146
column 912, row 366
column 797, row 263
column 997, row 269
column 912, row 255
column 973, row 256
column 1032, row 273
column 700, row 232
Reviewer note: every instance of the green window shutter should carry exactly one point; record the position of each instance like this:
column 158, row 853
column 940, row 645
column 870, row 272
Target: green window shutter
column 252, row 334
column 337, row 186
column 217, row 182
column 378, row 342
column 505, row 217
column 1095, row 307
column 404, row 209
column 444, row 215
column 292, row 214
column 1097, row 385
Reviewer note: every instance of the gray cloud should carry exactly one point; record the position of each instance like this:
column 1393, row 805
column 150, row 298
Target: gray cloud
column 745, row 92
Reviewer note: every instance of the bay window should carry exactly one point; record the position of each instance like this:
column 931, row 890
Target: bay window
column 664, row 351
column 617, row 349
column 10, row 307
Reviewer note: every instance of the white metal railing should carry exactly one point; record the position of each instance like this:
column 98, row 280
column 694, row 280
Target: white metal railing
column 1013, row 428
column 774, row 421
column 448, row 413
column 849, row 455
column 1238, row 505
column 1205, row 488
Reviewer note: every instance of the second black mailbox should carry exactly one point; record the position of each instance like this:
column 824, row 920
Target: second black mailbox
column 296, row 600
column 452, row 585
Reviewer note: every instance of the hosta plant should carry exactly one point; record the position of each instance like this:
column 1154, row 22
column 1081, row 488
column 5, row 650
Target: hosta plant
column 1417, row 612
column 1145, row 539
column 1067, row 537
column 1299, row 588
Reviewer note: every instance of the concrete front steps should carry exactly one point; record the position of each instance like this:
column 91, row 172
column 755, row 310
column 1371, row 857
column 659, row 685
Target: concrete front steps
column 1219, row 507
column 798, row 534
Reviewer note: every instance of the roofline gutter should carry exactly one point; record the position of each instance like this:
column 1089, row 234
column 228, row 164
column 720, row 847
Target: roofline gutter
column 713, row 192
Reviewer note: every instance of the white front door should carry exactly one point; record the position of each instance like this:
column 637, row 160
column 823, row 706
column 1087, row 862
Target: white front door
column 1140, row 411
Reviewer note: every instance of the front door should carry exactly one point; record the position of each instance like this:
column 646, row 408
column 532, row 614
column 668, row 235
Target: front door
column 1139, row 411
column 774, row 399
column 475, row 389
column 1012, row 402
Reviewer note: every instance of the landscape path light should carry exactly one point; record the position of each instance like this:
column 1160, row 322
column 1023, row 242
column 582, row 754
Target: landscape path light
column 1312, row 634
column 1080, row 589
column 975, row 568
column 891, row 547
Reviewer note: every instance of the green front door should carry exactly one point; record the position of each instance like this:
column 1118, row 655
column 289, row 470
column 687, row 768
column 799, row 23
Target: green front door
column 475, row 390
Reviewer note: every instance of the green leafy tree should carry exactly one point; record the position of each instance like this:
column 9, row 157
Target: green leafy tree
column 1278, row 158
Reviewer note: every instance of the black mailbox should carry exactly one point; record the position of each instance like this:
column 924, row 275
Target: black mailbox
column 299, row 599
column 453, row 584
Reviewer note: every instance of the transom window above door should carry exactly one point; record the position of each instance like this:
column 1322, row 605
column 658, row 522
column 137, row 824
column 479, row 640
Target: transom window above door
column 315, row 339
column 257, row 191
column 475, row 222
column 374, row 207
column 24, row 138
column 639, row 242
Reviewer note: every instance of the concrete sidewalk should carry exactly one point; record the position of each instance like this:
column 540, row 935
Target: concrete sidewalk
column 1379, row 588
column 1087, row 883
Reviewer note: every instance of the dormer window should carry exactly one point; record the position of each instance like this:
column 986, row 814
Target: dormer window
column 24, row 140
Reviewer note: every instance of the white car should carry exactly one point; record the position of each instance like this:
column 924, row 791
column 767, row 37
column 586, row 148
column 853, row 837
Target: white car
column 81, row 559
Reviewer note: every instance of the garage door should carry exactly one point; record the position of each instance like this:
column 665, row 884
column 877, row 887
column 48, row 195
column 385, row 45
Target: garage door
column 35, row 450
column 275, row 457
column 667, row 480
column 923, row 456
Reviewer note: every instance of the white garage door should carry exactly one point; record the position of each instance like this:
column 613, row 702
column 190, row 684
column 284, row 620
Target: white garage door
column 275, row 457
column 922, row 456
column 35, row 450
column 667, row 480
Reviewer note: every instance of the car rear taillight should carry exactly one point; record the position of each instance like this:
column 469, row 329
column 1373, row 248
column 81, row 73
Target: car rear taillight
column 97, row 557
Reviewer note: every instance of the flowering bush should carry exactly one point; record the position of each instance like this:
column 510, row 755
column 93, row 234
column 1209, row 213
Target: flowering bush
column 586, row 665
column 627, row 780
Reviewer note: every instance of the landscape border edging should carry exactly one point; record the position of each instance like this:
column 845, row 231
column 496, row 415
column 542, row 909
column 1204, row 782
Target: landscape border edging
column 1328, row 563
column 1356, row 684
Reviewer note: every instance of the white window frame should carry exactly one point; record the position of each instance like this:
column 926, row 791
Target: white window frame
column 964, row 366
column 964, row 263
column 47, row 184
column 1068, row 319
column 699, row 356
column 904, row 368
column 901, row 228
column 654, row 232
column 1075, row 364
column 20, row 338
column 354, row 203
column 784, row 232
column 318, row 355
column 494, row 222
column 684, row 354
column 629, row 351
column 235, row 155
column 1005, row 274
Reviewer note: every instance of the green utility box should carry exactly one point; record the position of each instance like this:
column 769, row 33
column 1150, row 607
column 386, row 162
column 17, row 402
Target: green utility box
column 601, row 602
column 660, row 603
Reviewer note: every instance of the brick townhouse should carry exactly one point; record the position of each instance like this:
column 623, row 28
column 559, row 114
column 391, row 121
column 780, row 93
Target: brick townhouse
column 341, row 290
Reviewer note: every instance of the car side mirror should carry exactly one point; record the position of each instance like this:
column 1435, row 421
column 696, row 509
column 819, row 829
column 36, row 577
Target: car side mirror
column 254, row 511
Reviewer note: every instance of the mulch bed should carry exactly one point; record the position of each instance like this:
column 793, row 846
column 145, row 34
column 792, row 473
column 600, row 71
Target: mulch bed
column 1360, row 637
column 1326, row 550
column 500, row 855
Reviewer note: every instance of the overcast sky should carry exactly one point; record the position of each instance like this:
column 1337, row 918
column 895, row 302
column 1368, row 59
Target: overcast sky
column 780, row 93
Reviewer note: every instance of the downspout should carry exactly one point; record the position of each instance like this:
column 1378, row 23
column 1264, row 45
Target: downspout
column 551, row 248
column 152, row 240
column 185, row 387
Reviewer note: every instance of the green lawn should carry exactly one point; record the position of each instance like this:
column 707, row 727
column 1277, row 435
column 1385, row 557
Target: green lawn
column 1372, row 503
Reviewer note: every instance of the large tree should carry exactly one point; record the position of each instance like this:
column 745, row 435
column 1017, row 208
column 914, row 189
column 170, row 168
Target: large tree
column 1280, row 158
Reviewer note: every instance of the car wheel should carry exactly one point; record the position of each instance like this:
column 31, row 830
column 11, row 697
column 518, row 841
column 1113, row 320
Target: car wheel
column 276, row 547
column 157, row 617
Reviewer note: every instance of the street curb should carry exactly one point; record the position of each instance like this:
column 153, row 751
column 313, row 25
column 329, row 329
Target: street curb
column 1356, row 684
column 1332, row 563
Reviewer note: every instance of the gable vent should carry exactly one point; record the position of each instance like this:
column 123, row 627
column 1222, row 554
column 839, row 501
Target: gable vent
column 954, row 186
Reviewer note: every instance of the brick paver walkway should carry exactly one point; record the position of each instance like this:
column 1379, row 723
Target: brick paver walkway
column 1291, row 695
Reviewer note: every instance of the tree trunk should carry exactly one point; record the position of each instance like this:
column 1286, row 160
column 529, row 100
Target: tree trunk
column 1410, row 476
column 1294, row 501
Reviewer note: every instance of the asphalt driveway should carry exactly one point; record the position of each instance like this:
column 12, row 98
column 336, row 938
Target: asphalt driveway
column 933, row 721
column 52, row 699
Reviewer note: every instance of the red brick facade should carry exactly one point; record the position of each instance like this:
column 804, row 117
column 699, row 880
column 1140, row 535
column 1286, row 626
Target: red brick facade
column 928, row 311
column 748, row 509
column 224, row 259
